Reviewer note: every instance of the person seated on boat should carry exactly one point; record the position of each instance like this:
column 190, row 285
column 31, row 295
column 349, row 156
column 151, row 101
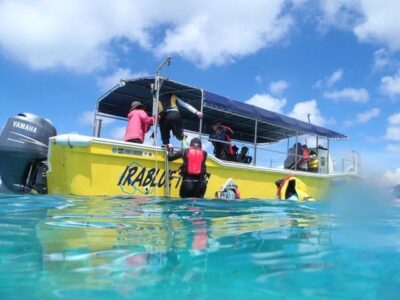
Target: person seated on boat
column 235, row 152
column 217, row 135
column 193, row 170
column 139, row 123
column 170, row 117
column 313, row 162
column 243, row 157
column 302, row 165
column 293, row 156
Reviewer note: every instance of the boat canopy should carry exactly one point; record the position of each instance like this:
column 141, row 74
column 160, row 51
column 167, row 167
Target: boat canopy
column 247, row 121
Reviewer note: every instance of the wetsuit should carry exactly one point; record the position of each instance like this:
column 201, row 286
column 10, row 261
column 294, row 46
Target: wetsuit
column 171, row 117
column 193, row 171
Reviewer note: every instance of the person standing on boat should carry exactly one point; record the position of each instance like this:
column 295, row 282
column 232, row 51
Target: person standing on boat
column 193, row 170
column 139, row 123
column 303, row 162
column 216, row 136
column 170, row 117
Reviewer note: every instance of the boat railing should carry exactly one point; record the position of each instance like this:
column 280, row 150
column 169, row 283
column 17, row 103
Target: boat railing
column 270, row 158
column 351, row 162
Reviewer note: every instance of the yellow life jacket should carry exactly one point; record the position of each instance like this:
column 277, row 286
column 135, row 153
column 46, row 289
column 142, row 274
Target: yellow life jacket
column 167, row 102
column 290, row 187
column 313, row 163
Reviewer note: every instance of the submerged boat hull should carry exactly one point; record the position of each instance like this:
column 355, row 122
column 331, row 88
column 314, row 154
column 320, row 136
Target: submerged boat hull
column 88, row 166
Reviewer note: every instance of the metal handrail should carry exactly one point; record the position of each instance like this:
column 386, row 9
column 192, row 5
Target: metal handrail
column 355, row 160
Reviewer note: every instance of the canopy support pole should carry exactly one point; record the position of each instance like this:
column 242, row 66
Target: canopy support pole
column 201, row 109
column 296, row 151
column 327, row 157
column 255, row 142
column 156, row 95
column 97, row 126
column 167, row 174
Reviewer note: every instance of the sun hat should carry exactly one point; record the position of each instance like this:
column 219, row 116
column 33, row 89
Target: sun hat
column 136, row 104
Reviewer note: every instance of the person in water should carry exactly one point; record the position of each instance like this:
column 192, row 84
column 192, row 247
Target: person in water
column 170, row 117
column 139, row 123
column 193, row 170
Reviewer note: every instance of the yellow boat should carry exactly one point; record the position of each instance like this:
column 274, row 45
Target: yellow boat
column 95, row 166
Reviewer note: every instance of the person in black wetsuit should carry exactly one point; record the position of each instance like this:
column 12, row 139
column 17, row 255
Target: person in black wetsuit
column 193, row 170
column 168, row 109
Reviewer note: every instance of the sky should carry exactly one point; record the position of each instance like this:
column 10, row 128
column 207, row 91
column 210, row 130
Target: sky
column 338, row 61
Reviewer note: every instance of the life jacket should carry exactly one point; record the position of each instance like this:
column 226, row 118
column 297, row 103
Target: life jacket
column 194, row 161
column 313, row 163
column 167, row 102
column 229, row 148
column 292, row 186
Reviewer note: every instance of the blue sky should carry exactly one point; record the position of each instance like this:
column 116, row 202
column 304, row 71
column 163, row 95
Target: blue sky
column 337, row 60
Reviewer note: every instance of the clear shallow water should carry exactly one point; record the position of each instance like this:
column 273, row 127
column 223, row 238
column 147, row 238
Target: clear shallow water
column 139, row 248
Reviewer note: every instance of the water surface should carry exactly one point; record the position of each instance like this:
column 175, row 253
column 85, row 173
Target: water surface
column 154, row 248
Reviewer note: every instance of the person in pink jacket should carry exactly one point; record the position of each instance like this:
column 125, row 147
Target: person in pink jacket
column 139, row 123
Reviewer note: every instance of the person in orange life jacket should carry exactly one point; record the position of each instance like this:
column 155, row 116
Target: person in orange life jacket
column 168, row 108
column 193, row 170
column 303, row 162
column 139, row 123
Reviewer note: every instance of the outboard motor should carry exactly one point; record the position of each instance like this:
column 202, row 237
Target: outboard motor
column 24, row 144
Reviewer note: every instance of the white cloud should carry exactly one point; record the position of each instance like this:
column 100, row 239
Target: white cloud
column 393, row 133
column 363, row 117
column 302, row 109
column 394, row 119
column 351, row 94
column 335, row 77
column 381, row 59
column 368, row 115
column 339, row 13
column 278, row 87
column 118, row 133
column 80, row 35
column 390, row 85
column 371, row 21
column 378, row 24
column 87, row 118
column 109, row 81
column 206, row 37
column 392, row 178
column 330, row 80
column 393, row 129
column 268, row 102
column 393, row 148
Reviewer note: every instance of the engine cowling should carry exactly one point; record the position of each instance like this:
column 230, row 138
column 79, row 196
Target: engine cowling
column 24, row 144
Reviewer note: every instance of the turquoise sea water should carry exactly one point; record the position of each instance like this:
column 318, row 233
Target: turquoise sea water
column 152, row 248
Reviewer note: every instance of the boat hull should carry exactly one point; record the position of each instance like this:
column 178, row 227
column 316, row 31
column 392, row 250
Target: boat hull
column 87, row 166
